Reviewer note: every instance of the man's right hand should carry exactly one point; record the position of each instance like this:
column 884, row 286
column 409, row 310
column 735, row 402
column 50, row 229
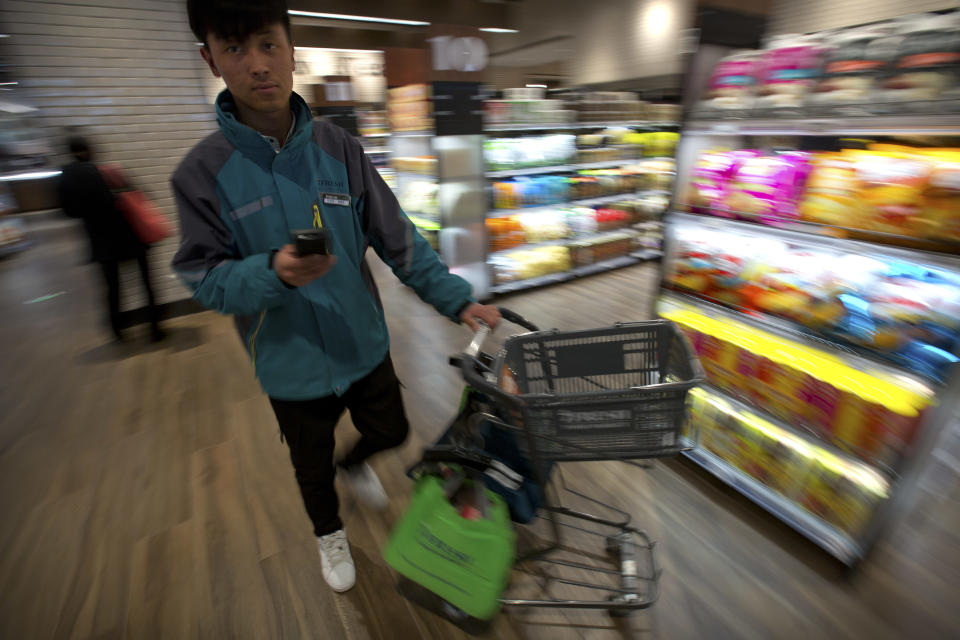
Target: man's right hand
column 297, row 270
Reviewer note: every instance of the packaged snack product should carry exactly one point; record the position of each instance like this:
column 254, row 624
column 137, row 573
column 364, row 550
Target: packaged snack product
column 928, row 59
column 830, row 196
column 789, row 71
column 711, row 178
column 852, row 69
column 892, row 180
column 768, row 186
column 941, row 196
column 731, row 85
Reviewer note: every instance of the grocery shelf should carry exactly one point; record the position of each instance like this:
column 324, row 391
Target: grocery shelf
column 375, row 135
column 926, row 124
column 856, row 357
column 606, row 164
column 414, row 174
column 499, row 128
column 796, row 234
column 830, row 538
column 603, row 265
column 530, row 171
column 564, row 276
column 811, row 437
column 585, row 202
column 560, row 241
column 413, row 134
column 530, row 245
column 832, row 232
column 577, row 166
column 377, row 150
column 530, row 283
column 647, row 254
column 888, row 361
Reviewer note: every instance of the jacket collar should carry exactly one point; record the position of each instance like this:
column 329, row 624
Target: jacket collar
column 248, row 141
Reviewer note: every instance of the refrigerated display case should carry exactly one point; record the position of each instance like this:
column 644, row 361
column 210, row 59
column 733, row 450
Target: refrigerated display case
column 815, row 266
column 374, row 136
column 573, row 199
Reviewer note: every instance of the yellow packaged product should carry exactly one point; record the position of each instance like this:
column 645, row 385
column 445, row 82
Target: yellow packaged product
column 786, row 380
column 891, row 184
column 786, row 459
column 941, row 197
column 818, row 493
column 726, row 359
column 851, row 421
column 830, row 196
column 850, row 506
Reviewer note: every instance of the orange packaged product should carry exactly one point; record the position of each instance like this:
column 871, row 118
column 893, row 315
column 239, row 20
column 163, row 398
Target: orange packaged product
column 830, row 195
column 941, row 197
column 892, row 181
column 727, row 355
column 851, row 421
column 785, row 382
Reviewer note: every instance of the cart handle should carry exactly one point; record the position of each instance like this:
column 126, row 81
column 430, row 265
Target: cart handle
column 471, row 366
column 517, row 319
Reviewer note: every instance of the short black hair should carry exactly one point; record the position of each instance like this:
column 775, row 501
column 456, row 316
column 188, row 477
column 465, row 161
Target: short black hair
column 235, row 19
column 78, row 146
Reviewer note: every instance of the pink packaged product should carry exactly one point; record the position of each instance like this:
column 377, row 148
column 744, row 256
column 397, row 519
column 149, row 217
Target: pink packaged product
column 768, row 187
column 732, row 83
column 711, row 179
column 788, row 73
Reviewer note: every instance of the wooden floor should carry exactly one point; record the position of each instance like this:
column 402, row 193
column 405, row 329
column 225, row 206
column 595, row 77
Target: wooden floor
column 145, row 493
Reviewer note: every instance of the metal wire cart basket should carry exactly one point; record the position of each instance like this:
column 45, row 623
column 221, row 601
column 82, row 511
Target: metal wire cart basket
column 616, row 393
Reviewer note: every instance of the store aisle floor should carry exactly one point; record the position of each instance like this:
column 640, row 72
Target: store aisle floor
column 146, row 493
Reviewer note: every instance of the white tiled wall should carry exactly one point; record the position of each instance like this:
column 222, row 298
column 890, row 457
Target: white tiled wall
column 126, row 73
column 802, row 16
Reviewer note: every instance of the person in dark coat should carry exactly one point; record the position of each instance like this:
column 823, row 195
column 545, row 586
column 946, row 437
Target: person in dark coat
column 84, row 194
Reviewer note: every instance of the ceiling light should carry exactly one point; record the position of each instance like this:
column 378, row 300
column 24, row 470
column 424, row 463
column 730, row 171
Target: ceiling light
column 28, row 175
column 536, row 86
column 498, row 30
column 343, row 16
column 335, row 50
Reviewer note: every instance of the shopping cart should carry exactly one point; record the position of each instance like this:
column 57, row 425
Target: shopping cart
column 616, row 393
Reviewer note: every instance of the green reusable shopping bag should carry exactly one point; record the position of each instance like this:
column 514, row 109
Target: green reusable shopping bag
column 465, row 562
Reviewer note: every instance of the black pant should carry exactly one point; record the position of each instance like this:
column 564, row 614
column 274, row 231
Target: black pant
column 376, row 408
column 111, row 273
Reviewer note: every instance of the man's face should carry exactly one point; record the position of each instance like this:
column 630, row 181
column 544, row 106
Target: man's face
column 258, row 71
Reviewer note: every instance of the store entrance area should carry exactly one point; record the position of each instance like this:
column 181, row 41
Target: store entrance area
column 146, row 493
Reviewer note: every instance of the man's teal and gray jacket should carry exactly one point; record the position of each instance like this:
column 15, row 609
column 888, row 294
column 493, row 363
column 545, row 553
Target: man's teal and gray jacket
column 239, row 199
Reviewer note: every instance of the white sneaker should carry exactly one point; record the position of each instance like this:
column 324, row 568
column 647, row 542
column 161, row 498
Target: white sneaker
column 338, row 569
column 366, row 486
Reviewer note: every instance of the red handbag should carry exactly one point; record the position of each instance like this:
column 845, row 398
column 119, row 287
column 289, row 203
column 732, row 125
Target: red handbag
column 146, row 220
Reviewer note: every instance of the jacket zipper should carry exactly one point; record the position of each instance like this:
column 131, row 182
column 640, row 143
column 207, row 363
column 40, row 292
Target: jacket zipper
column 253, row 340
